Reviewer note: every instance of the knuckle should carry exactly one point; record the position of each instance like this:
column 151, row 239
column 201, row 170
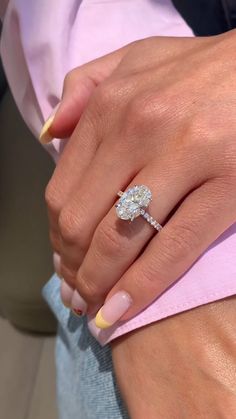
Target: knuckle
column 103, row 97
column 194, row 132
column 199, row 132
column 176, row 251
column 109, row 95
column 68, row 274
column 70, row 78
column 87, row 287
column 53, row 199
column 146, row 275
column 160, row 106
column 66, row 225
column 55, row 241
column 71, row 228
column 138, row 113
column 149, row 276
column 180, row 244
column 229, row 162
column 202, row 135
column 223, row 190
column 146, row 112
column 107, row 241
column 205, row 138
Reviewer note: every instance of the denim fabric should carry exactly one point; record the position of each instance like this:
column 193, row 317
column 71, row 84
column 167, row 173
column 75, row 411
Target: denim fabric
column 86, row 385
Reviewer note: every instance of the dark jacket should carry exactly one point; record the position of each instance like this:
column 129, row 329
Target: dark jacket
column 208, row 17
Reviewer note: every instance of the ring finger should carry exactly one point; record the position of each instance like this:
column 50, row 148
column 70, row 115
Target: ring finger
column 86, row 208
column 116, row 244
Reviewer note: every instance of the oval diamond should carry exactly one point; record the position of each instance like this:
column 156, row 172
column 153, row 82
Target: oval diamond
column 132, row 201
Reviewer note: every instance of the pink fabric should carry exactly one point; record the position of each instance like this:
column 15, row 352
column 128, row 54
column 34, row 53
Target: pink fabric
column 42, row 41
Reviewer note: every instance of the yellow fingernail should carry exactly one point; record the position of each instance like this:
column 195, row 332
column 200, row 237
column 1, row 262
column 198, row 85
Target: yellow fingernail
column 45, row 137
column 101, row 322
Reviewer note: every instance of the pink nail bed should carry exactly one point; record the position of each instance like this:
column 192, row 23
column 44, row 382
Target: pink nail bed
column 78, row 304
column 116, row 307
column 66, row 294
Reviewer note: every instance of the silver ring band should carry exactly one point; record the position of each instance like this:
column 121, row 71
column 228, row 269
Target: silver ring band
column 132, row 203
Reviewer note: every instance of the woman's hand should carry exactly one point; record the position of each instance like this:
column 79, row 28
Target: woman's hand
column 162, row 116
column 183, row 367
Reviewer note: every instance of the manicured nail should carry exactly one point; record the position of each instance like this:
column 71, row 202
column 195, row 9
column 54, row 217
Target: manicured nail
column 78, row 304
column 66, row 294
column 57, row 264
column 113, row 309
column 45, row 136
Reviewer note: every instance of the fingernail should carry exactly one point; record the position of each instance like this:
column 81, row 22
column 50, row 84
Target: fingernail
column 113, row 310
column 78, row 304
column 66, row 294
column 45, row 137
column 57, row 264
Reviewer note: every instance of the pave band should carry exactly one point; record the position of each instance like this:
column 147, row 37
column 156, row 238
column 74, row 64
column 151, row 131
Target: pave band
column 132, row 203
column 151, row 221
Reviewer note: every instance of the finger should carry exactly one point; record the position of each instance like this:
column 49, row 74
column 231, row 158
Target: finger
column 68, row 173
column 79, row 150
column 117, row 243
column 81, row 82
column 57, row 263
column 78, row 86
column 66, row 294
column 91, row 202
column 66, row 291
column 194, row 226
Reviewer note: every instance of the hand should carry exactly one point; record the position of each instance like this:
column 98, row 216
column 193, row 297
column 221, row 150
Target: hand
column 162, row 114
column 182, row 367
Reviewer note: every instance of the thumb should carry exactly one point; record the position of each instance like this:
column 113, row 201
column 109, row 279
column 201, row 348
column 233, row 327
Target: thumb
column 79, row 84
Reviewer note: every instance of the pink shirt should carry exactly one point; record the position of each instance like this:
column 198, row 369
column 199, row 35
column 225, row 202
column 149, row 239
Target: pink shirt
column 42, row 41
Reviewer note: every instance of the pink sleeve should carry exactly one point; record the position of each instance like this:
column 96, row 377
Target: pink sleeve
column 37, row 57
column 211, row 278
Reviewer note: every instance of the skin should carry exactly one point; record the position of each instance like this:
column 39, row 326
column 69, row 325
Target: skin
column 154, row 113
column 182, row 367
column 165, row 109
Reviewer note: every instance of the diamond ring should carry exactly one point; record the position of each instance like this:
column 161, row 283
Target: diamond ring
column 132, row 203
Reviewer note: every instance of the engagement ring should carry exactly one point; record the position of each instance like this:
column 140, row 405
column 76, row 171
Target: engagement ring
column 132, row 203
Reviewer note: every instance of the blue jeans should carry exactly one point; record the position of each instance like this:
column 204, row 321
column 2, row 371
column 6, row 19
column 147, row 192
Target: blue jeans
column 86, row 385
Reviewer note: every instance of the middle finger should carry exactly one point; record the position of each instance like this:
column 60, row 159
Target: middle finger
column 90, row 204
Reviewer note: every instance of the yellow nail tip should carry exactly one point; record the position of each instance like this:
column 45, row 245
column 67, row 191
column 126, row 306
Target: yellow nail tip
column 100, row 322
column 45, row 137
